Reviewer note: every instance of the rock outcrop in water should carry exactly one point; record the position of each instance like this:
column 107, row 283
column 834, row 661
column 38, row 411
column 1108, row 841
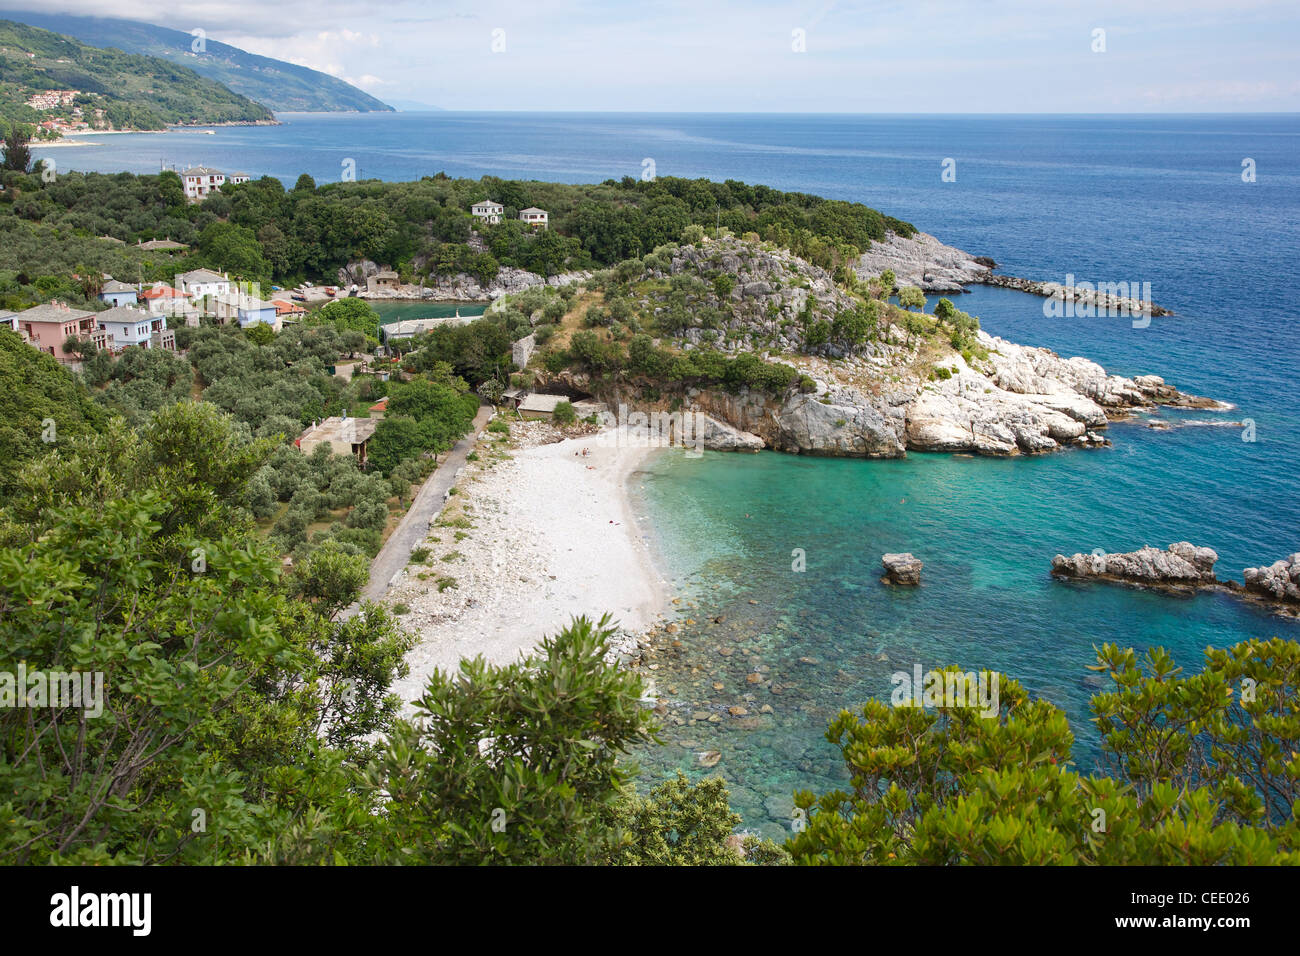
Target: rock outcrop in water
column 1280, row 581
column 1182, row 565
column 1082, row 300
column 922, row 260
column 1185, row 567
column 902, row 569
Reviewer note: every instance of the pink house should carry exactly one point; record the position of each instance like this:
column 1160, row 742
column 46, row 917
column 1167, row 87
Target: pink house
column 48, row 325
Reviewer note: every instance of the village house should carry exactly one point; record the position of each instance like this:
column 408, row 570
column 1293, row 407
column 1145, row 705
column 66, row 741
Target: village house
column 118, row 293
column 538, row 405
column 245, row 309
column 386, row 281
column 51, row 99
column 409, row 328
column 200, row 283
column 534, row 216
column 288, row 311
column 162, row 299
column 163, row 245
column 48, row 326
column 9, row 320
column 378, row 410
column 488, row 211
column 345, row 436
column 237, row 178
column 125, row 327
column 199, row 181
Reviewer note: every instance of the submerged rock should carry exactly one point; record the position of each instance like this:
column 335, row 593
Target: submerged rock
column 902, row 569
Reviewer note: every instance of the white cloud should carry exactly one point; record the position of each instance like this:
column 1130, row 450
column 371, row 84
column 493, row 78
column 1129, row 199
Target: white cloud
column 862, row 55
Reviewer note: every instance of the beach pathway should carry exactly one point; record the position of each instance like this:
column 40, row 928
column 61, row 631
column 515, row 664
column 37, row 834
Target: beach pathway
column 414, row 526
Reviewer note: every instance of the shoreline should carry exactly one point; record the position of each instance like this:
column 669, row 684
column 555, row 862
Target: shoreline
column 531, row 539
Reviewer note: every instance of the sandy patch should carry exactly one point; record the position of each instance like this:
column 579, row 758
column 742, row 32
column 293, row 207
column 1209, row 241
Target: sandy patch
column 551, row 536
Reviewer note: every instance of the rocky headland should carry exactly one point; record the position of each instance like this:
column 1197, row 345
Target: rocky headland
column 923, row 261
column 907, row 389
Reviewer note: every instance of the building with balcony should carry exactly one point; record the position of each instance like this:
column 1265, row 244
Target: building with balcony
column 488, row 211
column 125, row 327
column 48, row 326
column 534, row 217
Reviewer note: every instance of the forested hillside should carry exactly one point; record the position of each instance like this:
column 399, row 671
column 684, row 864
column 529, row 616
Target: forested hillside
column 275, row 84
column 115, row 90
column 262, row 230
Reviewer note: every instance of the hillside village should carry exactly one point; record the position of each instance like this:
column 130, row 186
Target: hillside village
column 138, row 315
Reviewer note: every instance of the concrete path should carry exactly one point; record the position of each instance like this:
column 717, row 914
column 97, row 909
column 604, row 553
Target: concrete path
column 414, row 526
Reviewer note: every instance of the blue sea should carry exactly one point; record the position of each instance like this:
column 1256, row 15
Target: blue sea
column 1157, row 199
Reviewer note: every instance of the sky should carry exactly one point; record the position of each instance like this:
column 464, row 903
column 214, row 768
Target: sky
column 838, row 56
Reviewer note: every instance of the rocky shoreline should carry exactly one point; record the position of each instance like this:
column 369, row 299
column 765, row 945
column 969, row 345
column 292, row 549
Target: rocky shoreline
column 1020, row 400
column 1184, row 568
column 894, row 395
column 923, row 261
column 1079, row 297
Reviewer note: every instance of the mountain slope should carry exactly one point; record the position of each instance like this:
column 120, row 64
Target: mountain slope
column 114, row 90
column 280, row 86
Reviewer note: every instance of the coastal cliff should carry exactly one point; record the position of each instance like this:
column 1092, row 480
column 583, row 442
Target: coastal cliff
column 876, row 380
column 922, row 260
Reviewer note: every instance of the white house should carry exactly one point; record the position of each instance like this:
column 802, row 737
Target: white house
column 117, row 293
column 488, row 211
column 203, row 282
column 534, row 216
column 201, row 180
column 237, row 178
column 125, row 327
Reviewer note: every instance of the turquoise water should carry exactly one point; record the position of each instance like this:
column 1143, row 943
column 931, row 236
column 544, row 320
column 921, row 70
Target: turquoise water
column 1155, row 199
column 829, row 637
